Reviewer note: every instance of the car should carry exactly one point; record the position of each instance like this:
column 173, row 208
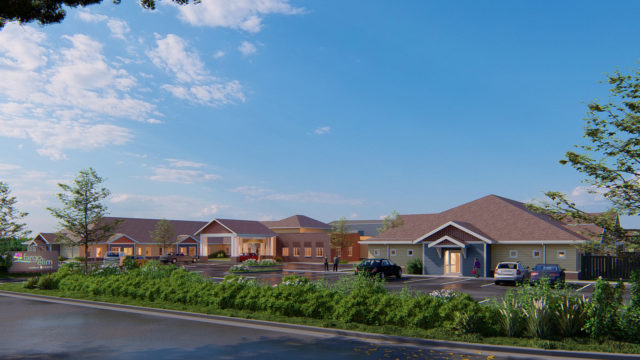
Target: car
column 379, row 267
column 510, row 271
column 246, row 256
column 178, row 258
column 111, row 258
column 551, row 271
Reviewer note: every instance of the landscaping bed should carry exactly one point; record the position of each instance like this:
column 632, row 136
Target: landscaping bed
column 533, row 317
column 254, row 266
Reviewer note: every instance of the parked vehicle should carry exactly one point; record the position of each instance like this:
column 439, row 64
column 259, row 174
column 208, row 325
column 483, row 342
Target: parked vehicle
column 111, row 259
column 379, row 267
column 247, row 256
column 510, row 271
column 178, row 258
column 551, row 271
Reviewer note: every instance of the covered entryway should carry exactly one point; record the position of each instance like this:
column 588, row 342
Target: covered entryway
column 452, row 264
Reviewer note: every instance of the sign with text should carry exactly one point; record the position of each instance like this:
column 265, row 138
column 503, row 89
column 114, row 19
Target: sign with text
column 33, row 261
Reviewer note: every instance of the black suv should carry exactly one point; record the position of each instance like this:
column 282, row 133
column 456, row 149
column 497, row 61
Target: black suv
column 379, row 267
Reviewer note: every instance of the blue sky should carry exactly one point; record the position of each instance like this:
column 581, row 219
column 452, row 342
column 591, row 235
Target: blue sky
column 265, row 109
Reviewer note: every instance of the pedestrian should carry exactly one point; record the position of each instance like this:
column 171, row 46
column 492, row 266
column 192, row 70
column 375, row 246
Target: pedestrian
column 326, row 264
column 336, row 260
column 476, row 267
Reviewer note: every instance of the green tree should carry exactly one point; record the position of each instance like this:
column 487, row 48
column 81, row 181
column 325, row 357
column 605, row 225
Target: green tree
column 52, row 11
column 339, row 235
column 611, row 163
column 11, row 225
column 163, row 234
column 82, row 211
column 391, row 221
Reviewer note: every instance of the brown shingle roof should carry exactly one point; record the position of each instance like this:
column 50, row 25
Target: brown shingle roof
column 138, row 229
column 494, row 217
column 296, row 221
column 314, row 237
column 246, row 227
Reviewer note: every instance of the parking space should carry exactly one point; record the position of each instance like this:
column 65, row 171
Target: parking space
column 478, row 288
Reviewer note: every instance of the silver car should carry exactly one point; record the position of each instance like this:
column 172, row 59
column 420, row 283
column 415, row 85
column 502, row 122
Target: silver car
column 508, row 271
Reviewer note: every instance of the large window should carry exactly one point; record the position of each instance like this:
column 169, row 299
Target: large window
column 296, row 251
column 147, row 251
column 307, row 252
column 139, row 251
column 285, row 251
column 319, row 252
column 350, row 251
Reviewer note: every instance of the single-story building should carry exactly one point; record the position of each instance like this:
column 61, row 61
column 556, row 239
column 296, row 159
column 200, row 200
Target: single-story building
column 491, row 229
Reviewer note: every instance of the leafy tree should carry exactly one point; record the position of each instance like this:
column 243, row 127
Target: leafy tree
column 339, row 235
column 11, row 225
column 391, row 221
column 52, row 11
column 81, row 214
column 163, row 234
column 611, row 163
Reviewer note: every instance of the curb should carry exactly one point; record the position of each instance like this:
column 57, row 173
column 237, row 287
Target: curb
column 321, row 332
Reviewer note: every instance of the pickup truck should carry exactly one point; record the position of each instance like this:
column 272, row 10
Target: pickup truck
column 178, row 258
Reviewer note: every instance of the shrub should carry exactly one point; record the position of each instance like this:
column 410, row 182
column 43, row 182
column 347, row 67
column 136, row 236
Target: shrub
column 571, row 315
column 278, row 259
column 79, row 258
column 218, row 255
column 602, row 313
column 48, row 282
column 414, row 266
column 539, row 319
column 129, row 263
column 31, row 283
column 511, row 316
column 62, row 258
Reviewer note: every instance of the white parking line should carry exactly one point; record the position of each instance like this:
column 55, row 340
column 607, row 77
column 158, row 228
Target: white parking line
column 412, row 281
column 489, row 284
column 458, row 281
column 584, row 287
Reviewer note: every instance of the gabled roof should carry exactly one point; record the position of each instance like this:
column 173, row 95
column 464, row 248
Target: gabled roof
column 492, row 217
column 139, row 229
column 48, row 237
column 296, row 222
column 241, row 227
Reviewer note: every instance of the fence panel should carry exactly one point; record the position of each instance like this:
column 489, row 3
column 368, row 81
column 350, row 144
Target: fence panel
column 609, row 267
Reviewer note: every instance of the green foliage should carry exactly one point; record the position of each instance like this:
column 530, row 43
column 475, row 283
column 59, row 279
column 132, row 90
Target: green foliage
column 391, row 221
column 415, row 266
column 163, row 234
column 218, row 255
column 603, row 317
column 339, row 235
column 571, row 315
column 129, row 263
column 11, row 225
column 539, row 319
column 32, row 283
column 511, row 316
column 48, row 282
column 62, row 258
column 7, row 245
column 6, row 260
column 278, row 259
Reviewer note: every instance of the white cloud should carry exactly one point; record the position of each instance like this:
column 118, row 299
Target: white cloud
column 247, row 48
column 251, row 190
column 181, row 176
column 9, row 167
column 184, row 163
column 244, row 15
column 322, row 130
column 195, row 84
column 118, row 27
column 87, row 16
column 163, row 206
column 588, row 196
column 219, row 54
column 259, row 193
column 63, row 99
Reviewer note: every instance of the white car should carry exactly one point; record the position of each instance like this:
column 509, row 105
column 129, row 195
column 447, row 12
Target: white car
column 507, row 271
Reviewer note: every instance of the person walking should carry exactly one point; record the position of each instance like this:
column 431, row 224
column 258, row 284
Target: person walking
column 326, row 264
column 476, row 267
column 336, row 261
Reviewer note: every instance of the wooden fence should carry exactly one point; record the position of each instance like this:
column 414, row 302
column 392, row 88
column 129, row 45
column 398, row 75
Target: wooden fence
column 609, row 267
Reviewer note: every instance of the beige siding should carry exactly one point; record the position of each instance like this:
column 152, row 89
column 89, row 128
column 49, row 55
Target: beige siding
column 525, row 255
column 401, row 258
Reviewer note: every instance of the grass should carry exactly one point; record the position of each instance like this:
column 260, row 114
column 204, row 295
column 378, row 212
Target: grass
column 574, row 344
column 6, row 275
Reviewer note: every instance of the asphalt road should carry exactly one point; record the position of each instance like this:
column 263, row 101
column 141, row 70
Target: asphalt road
column 478, row 288
column 43, row 330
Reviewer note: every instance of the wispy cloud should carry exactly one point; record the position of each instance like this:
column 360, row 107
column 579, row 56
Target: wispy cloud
column 322, row 130
column 118, row 27
column 164, row 206
column 259, row 193
column 246, row 48
column 181, row 176
column 243, row 15
column 194, row 82
column 219, row 54
column 184, row 163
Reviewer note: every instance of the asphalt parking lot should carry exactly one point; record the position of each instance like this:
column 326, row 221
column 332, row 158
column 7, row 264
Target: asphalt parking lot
column 478, row 288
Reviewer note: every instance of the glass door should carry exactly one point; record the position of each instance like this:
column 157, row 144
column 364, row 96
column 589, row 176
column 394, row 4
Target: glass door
column 451, row 262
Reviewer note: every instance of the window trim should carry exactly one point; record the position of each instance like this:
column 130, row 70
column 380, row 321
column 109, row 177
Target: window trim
column 376, row 252
column 533, row 254
column 319, row 252
column 285, row 251
column 296, row 251
column 564, row 254
column 307, row 250
column 393, row 252
column 512, row 252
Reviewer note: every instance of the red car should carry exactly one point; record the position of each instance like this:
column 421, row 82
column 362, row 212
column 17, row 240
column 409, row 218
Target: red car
column 247, row 256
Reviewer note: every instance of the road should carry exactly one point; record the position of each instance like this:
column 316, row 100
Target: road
column 43, row 330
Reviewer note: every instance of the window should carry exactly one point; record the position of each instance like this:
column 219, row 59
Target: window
column 285, row 251
column 350, row 251
column 409, row 252
column 116, row 249
column 99, row 252
column 513, row 254
column 147, row 251
column 296, row 251
column 393, row 252
column 361, row 233
column 536, row 253
column 161, row 251
column 307, row 252
column 139, row 251
column 562, row 254
column 376, row 252
column 319, row 252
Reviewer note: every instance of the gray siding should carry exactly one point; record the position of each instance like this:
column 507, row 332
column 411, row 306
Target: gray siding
column 434, row 264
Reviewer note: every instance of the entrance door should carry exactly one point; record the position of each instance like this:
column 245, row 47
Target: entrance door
column 451, row 262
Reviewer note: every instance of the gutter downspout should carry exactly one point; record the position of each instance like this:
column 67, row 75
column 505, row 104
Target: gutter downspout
column 544, row 253
column 484, row 260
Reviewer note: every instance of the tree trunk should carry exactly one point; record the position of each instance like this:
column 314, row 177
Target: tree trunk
column 86, row 257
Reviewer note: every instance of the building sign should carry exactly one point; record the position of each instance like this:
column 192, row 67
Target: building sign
column 33, row 261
